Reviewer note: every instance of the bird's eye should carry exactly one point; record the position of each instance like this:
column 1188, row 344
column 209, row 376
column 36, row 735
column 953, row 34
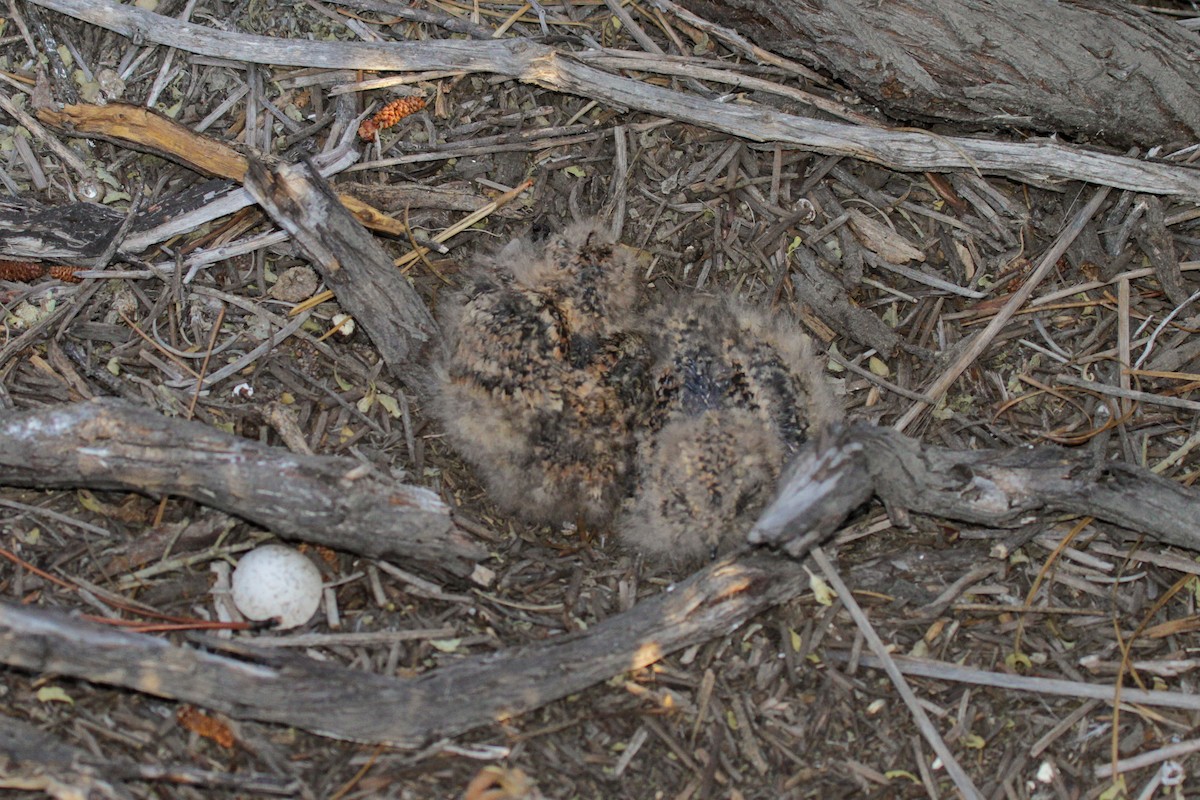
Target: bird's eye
column 712, row 554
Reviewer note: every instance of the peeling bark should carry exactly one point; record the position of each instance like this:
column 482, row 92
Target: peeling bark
column 1112, row 71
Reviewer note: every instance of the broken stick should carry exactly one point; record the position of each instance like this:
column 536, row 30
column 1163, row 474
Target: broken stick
column 322, row 499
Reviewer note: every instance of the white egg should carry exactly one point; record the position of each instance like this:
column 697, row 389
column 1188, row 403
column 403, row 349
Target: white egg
column 277, row 582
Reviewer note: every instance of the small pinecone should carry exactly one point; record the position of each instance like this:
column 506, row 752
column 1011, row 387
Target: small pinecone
column 389, row 115
column 23, row 271
column 65, row 273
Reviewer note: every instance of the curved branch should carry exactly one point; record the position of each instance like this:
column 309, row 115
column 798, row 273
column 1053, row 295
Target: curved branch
column 986, row 487
column 267, row 684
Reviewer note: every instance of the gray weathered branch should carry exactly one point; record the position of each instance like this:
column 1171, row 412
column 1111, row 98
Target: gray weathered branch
column 326, row 698
column 986, row 487
column 351, row 261
column 323, row 499
column 1038, row 162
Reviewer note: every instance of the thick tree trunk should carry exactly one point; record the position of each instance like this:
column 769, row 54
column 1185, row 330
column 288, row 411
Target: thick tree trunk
column 1094, row 68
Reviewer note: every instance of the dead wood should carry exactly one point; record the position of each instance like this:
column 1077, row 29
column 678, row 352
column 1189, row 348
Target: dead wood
column 825, row 482
column 205, row 202
column 829, row 300
column 351, row 261
column 323, row 499
column 977, row 344
column 110, row 445
column 78, row 232
column 985, row 487
column 940, row 670
column 1037, row 162
column 1158, row 245
column 395, row 197
column 270, row 685
column 834, row 475
column 443, row 20
column 997, row 488
column 1113, row 71
column 149, row 131
column 83, row 232
column 34, row 759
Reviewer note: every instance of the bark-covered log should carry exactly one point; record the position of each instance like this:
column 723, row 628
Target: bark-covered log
column 78, row 231
column 323, row 499
column 1000, row 487
column 1102, row 69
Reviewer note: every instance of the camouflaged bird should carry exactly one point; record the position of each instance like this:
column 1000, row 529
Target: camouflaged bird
column 735, row 393
column 543, row 380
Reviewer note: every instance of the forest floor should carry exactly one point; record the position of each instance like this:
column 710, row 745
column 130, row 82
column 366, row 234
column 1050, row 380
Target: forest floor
column 786, row 706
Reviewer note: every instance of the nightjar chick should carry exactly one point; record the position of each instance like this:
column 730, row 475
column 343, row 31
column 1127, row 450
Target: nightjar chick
column 541, row 383
column 735, row 393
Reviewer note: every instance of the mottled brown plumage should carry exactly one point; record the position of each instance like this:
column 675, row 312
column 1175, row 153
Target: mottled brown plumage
column 542, row 381
column 570, row 406
column 735, row 392
column 592, row 280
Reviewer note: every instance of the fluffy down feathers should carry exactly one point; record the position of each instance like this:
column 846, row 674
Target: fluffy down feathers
column 704, row 479
column 735, row 392
column 540, row 389
column 571, row 405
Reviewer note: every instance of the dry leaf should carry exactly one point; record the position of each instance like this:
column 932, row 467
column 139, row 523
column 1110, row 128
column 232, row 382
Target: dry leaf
column 882, row 240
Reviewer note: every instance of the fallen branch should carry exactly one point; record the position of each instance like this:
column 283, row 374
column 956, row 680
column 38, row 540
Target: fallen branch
column 997, row 488
column 323, row 499
column 78, row 232
column 958, row 673
column 1037, row 162
column 112, row 445
column 150, row 131
column 277, row 686
column 89, row 444
column 82, row 232
column 350, row 260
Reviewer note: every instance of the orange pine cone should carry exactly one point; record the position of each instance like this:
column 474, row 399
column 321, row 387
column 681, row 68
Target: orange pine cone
column 366, row 131
column 65, row 274
column 23, row 271
column 389, row 115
